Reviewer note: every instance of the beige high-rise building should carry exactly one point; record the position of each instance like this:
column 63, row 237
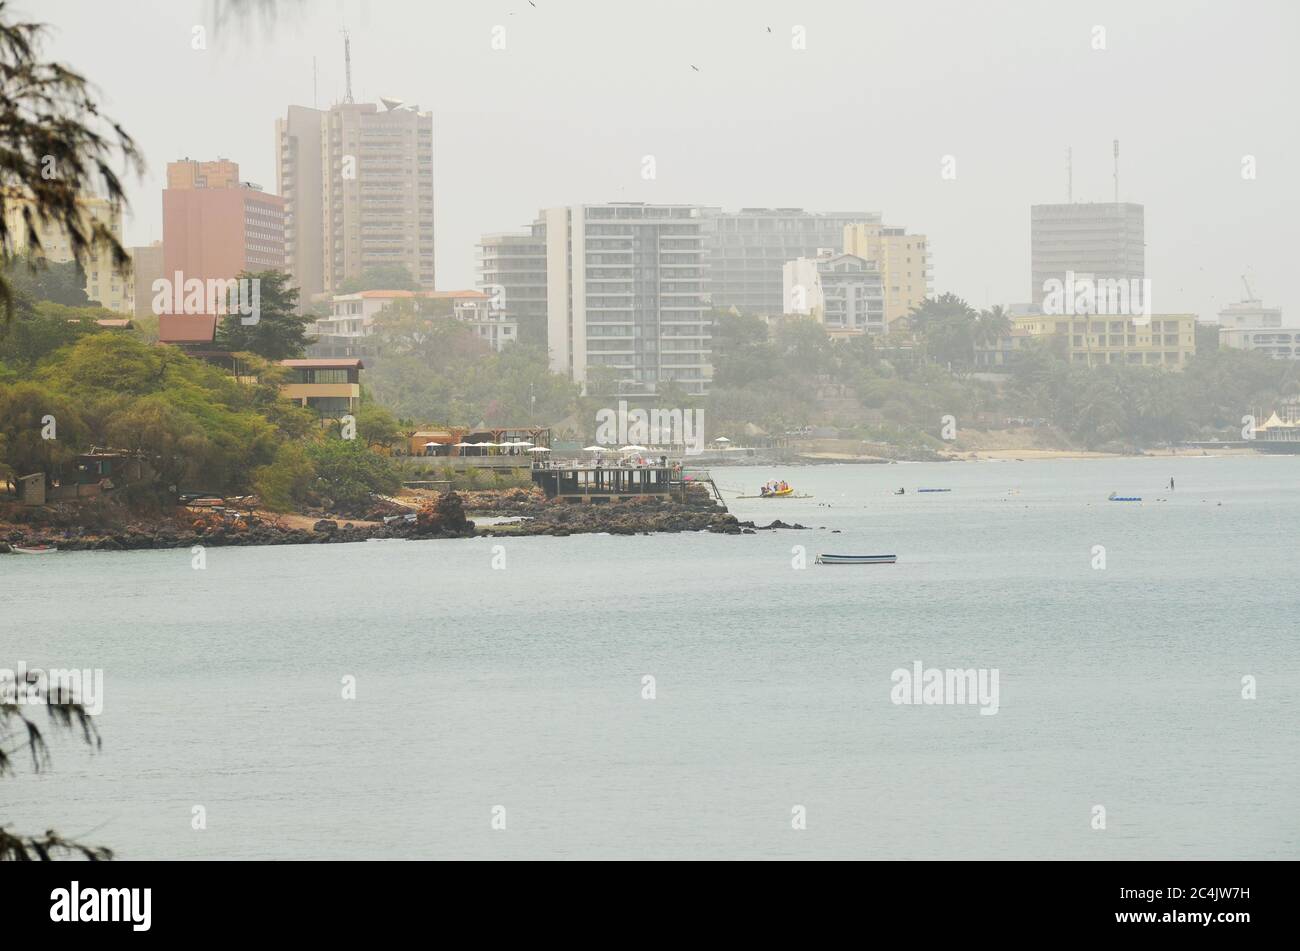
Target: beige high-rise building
column 358, row 180
column 106, row 285
column 298, row 181
column 146, row 267
column 377, row 181
column 903, row 261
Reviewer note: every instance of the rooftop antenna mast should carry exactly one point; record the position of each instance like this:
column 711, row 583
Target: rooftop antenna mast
column 1115, row 149
column 315, row 100
column 347, row 65
column 1069, row 175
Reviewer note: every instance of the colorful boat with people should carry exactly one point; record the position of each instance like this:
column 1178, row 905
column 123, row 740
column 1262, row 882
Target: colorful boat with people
column 776, row 489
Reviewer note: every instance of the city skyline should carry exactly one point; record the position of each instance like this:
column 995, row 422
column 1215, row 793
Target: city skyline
column 531, row 132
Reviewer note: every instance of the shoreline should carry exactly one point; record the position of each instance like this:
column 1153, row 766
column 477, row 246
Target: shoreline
column 1005, row 455
column 438, row 517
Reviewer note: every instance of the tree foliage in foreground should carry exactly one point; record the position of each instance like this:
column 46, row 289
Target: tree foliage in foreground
column 58, row 145
column 22, row 741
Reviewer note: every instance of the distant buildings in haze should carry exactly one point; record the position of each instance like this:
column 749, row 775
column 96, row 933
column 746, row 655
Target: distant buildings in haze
column 1103, row 241
column 842, row 291
column 105, row 284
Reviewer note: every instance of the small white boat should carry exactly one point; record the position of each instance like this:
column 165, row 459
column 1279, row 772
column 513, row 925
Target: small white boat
column 41, row 550
column 856, row 559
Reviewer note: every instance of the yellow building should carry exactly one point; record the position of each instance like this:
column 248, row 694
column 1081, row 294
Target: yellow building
column 902, row 259
column 330, row 387
column 1166, row 340
column 104, row 283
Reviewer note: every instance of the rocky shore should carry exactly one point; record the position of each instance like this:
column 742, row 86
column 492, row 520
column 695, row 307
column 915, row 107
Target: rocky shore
column 422, row 517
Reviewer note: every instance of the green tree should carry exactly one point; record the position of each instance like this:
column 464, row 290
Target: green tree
column 348, row 474
column 33, row 279
column 1207, row 337
column 376, row 426
column 32, row 337
column 279, row 332
column 946, row 326
column 992, row 325
column 385, row 277
column 29, row 411
column 286, row 481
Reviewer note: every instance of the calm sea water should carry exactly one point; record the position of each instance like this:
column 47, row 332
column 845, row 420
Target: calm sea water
column 522, row 687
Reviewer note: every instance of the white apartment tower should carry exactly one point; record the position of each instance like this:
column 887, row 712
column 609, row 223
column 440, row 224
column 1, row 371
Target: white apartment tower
column 625, row 289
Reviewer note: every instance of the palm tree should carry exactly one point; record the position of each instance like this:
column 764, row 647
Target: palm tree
column 993, row 325
column 56, row 146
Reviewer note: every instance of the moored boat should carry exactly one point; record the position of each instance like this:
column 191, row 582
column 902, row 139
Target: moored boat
column 856, row 559
column 33, row 550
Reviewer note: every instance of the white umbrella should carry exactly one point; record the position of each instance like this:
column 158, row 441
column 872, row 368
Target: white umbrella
column 722, row 439
column 539, row 449
column 595, row 448
column 465, row 445
column 633, row 449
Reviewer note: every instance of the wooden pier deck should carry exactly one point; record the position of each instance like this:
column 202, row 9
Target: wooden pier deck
column 587, row 483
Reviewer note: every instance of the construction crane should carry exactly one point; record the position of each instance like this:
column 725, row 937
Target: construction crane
column 1249, row 295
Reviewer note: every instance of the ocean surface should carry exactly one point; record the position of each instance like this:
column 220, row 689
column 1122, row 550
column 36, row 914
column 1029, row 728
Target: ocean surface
column 515, row 693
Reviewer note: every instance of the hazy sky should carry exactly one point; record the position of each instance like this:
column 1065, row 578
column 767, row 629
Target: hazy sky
column 860, row 119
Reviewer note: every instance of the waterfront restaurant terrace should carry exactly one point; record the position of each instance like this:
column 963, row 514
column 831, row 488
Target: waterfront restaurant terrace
column 607, row 483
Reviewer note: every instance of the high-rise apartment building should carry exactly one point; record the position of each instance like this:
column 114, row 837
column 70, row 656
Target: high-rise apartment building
column 512, row 272
column 377, row 198
column 298, row 180
column 626, row 292
column 215, row 226
column 359, row 186
column 902, row 259
column 1103, row 241
column 105, row 283
column 748, row 250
